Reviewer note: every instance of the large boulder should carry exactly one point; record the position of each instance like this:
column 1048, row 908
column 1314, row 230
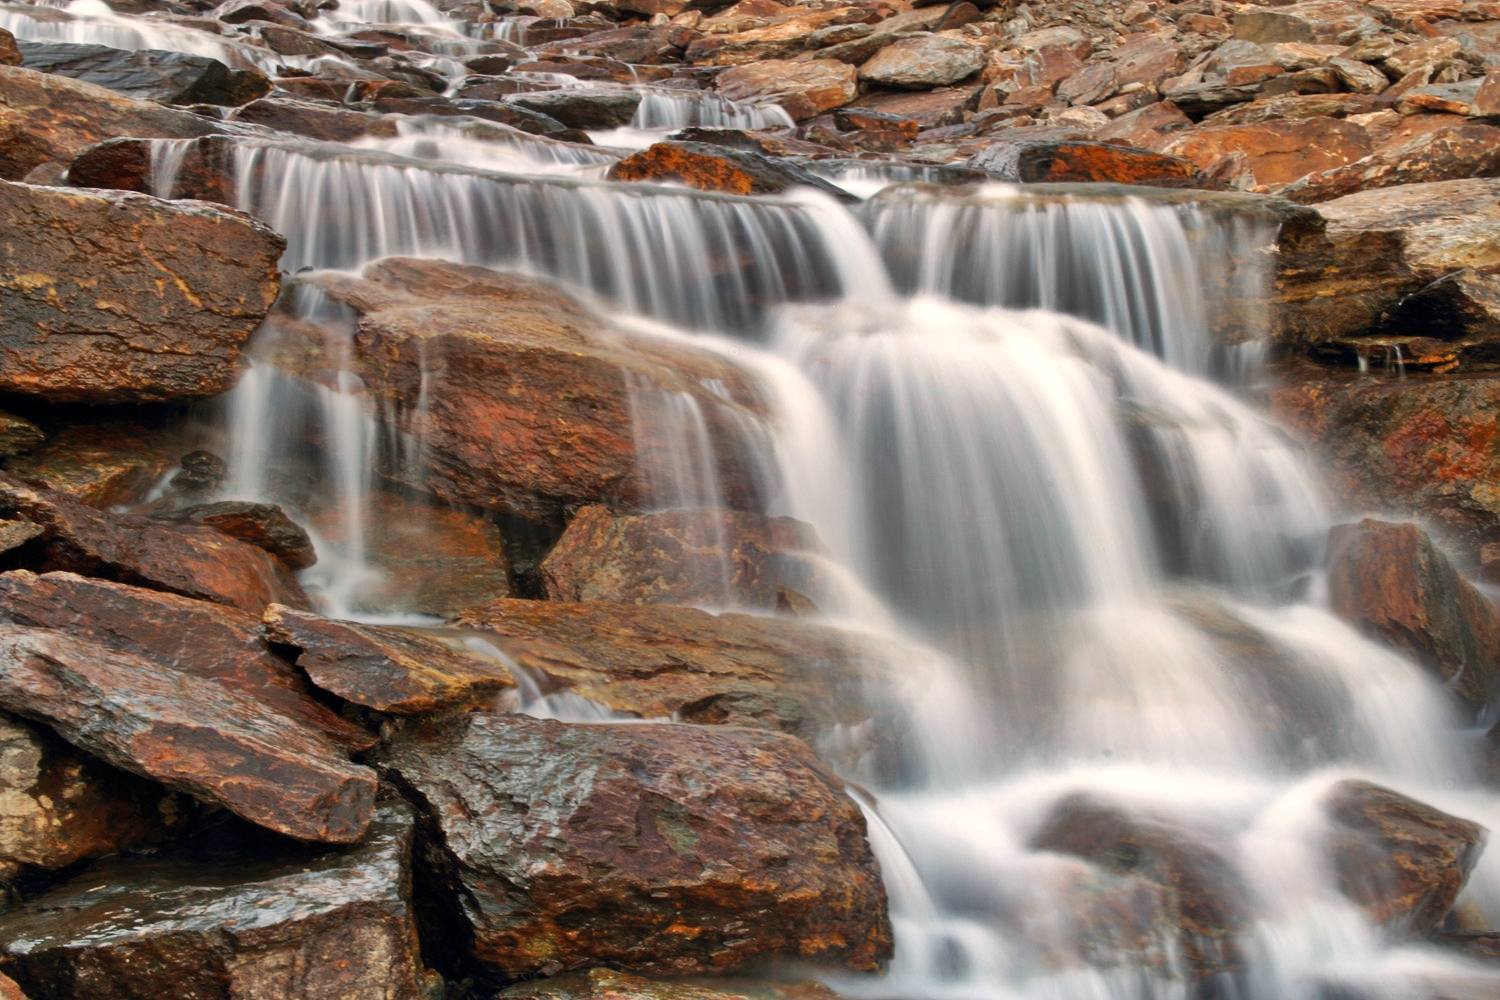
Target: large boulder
column 713, row 557
column 109, row 297
column 1402, row 861
column 148, row 74
column 215, row 919
column 192, row 560
column 716, row 168
column 1392, row 583
column 1279, row 151
column 918, row 62
column 669, row 849
column 49, row 119
column 192, row 735
column 395, row 670
column 179, row 634
column 583, row 109
column 1455, row 152
column 803, row 89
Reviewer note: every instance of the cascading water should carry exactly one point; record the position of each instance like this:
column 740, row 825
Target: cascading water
column 1114, row 558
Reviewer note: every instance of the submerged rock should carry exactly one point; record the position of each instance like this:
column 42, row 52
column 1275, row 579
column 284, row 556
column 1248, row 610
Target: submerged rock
column 1402, row 861
column 148, row 74
column 669, row 849
column 1391, row 582
column 395, row 670
column 713, row 557
column 803, row 89
column 1057, row 162
column 191, row 734
column 110, row 297
column 583, row 109
column 248, row 921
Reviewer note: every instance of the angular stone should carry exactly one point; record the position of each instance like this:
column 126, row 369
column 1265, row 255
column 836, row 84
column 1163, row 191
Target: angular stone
column 48, row 119
column 110, row 297
column 148, row 74
column 317, row 121
column 583, row 109
column 394, row 670
column 10, row 55
column 744, row 848
column 923, row 61
column 190, row 560
column 59, row 807
column 239, row 921
column 106, row 464
column 192, row 735
column 1359, row 77
column 1146, row 59
column 265, row 526
column 1445, row 154
column 18, row 435
column 803, row 89
column 181, row 635
column 1402, row 861
column 1279, row 151
column 1152, row 127
column 1392, row 583
column 1425, row 53
column 717, row 558
column 1299, row 106
column 1075, row 162
column 857, row 119
column 1444, row 98
column 14, row 534
column 716, row 168
column 785, row 36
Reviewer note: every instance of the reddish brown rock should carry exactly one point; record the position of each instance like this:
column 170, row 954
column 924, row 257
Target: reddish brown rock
column 230, row 917
column 9, row 54
column 718, row 558
column 609, row 984
column 804, row 89
column 1402, row 861
column 1279, row 151
column 1452, row 153
column 743, row 847
column 1083, row 162
column 716, row 168
column 9, row 990
column 785, row 36
column 179, row 634
column 192, row 735
column 1298, row 106
column 265, row 526
column 1392, row 583
column 46, row 118
column 107, row 464
column 317, row 121
column 204, row 170
column 190, row 560
column 110, row 297
column 1152, row 127
column 395, row 670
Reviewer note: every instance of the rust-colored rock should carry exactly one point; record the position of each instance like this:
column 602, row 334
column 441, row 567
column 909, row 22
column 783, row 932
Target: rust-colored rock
column 192, row 735
column 9, row 54
column 716, row 168
column 59, row 807
column 1456, row 152
column 9, row 990
column 1084, row 162
column 191, row 560
column 204, row 168
column 108, row 297
column 317, row 121
column 107, row 464
column 180, row 634
column 395, row 670
column 1206, row 904
column 713, row 557
column 230, row 916
column 803, row 89
column 1402, row 861
column 1391, row 582
column 737, row 846
column 46, row 118
column 263, row 525
column 1280, row 151
column 1152, row 127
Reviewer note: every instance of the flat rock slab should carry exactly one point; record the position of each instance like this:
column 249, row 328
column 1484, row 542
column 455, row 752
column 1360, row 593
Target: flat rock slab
column 148, row 74
column 192, row 735
column 182, row 635
column 263, row 525
column 256, row 921
column 191, row 560
column 661, row 848
column 395, row 670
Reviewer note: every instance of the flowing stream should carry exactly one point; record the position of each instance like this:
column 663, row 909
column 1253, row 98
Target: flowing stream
column 1012, row 417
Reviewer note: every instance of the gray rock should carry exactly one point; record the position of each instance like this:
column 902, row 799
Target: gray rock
column 583, row 109
column 919, row 61
column 148, row 74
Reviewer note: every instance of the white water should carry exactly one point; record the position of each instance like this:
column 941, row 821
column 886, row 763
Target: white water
column 1111, row 553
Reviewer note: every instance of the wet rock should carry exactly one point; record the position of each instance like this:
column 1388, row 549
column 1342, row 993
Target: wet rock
column 49, row 119
column 1279, row 151
column 1453, row 153
column 765, row 141
column 1206, row 901
column 192, row 735
column 803, row 89
column 106, row 464
column 717, row 168
column 741, row 846
column 722, row 558
column 18, row 435
column 1391, row 582
column 1380, row 246
column 316, row 121
column 923, row 61
column 659, row 661
column 10, row 55
column 265, row 526
column 181, row 635
column 251, row 920
column 1075, row 161
column 394, row 670
column 1402, row 861
column 190, row 560
column 528, row 408
column 148, row 74
column 202, row 168
column 1463, row 307
column 59, row 807
column 111, row 297
column 583, row 109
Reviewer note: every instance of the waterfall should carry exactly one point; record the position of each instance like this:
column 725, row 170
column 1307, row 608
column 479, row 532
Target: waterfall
column 668, row 109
